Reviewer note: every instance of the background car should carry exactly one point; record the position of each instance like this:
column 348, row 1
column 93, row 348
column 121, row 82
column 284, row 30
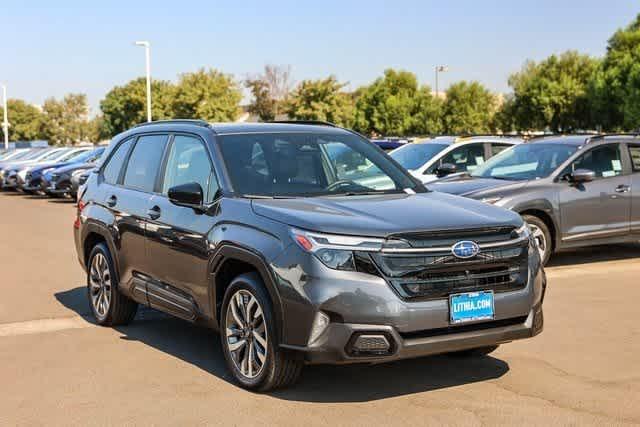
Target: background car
column 435, row 158
column 572, row 191
column 57, row 181
column 34, row 181
column 24, row 174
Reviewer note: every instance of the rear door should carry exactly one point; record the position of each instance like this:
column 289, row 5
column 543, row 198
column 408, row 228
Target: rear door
column 127, row 194
column 601, row 208
column 177, row 240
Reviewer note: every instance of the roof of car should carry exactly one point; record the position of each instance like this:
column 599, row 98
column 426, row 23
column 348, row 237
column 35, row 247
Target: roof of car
column 235, row 128
column 450, row 140
column 583, row 139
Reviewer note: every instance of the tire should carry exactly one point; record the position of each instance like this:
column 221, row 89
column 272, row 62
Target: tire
column 543, row 236
column 276, row 367
column 108, row 305
column 476, row 352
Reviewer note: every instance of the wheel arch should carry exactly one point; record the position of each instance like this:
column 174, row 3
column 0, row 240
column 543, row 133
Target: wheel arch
column 548, row 220
column 231, row 260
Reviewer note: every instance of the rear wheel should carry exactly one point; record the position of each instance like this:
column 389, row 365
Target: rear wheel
column 109, row 306
column 542, row 235
column 248, row 338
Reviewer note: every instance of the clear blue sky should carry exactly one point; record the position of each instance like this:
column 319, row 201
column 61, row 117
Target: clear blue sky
column 50, row 48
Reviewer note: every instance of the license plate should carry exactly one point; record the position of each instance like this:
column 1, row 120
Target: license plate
column 471, row 306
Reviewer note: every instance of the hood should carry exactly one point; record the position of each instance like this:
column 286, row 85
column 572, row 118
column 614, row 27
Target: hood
column 39, row 167
column 468, row 186
column 379, row 216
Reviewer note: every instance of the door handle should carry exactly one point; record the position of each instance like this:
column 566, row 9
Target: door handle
column 623, row 188
column 111, row 201
column 154, row 212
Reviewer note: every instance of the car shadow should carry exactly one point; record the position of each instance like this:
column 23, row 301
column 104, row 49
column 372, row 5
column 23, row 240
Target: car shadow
column 593, row 254
column 200, row 347
column 62, row 201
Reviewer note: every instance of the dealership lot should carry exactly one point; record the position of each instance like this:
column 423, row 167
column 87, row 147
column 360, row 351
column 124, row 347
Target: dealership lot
column 58, row 368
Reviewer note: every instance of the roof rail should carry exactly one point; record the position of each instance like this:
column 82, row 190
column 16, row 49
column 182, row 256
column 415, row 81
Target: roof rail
column 195, row 122
column 604, row 135
column 305, row 122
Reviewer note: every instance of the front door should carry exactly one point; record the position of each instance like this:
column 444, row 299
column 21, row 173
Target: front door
column 177, row 236
column 597, row 209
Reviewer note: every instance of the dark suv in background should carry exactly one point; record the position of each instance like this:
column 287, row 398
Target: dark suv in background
column 267, row 233
column 573, row 191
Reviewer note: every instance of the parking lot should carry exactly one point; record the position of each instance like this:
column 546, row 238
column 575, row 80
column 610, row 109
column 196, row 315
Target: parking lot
column 57, row 368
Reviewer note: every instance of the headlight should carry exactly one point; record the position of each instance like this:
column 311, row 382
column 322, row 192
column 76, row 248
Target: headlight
column 491, row 200
column 334, row 251
column 46, row 171
column 525, row 231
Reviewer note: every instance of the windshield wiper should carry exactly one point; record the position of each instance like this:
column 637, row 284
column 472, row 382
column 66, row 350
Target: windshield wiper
column 262, row 196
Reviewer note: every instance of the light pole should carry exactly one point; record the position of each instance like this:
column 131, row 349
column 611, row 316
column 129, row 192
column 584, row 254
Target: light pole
column 440, row 69
column 147, row 55
column 5, row 122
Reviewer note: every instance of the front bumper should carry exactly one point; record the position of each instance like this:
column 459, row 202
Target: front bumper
column 334, row 347
column 358, row 303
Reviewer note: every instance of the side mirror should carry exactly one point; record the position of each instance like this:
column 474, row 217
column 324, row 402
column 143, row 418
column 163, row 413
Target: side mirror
column 445, row 169
column 189, row 195
column 582, row 175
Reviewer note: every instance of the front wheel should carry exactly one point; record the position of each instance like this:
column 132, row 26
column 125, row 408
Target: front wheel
column 542, row 235
column 248, row 336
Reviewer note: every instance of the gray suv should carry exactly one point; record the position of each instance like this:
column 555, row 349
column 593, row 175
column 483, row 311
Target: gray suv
column 268, row 233
column 573, row 191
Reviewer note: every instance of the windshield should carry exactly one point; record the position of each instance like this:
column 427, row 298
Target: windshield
column 33, row 154
column 14, row 155
column 525, row 161
column 297, row 164
column 74, row 155
column 53, row 154
column 412, row 156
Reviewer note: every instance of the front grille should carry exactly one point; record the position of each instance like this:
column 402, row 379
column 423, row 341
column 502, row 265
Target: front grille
column 54, row 177
column 436, row 275
column 28, row 176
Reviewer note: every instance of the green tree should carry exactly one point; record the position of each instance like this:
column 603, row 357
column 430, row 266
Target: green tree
column 263, row 104
column 66, row 122
column 321, row 100
column 25, row 121
column 468, row 108
column 125, row 106
column 207, row 94
column 615, row 89
column 553, row 93
column 395, row 105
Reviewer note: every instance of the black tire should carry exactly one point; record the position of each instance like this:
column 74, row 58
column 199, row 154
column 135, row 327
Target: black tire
column 535, row 222
column 281, row 368
column 120, row 309
column 475, row 352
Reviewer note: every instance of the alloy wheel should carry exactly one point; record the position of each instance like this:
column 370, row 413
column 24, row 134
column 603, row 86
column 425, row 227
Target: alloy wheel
column 100, row 285
column 246, row 334
column 540, row 239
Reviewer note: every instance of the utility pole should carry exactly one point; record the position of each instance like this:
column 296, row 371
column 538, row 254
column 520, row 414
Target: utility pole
column 5, row 122
column 440, row 69
column 147, row 54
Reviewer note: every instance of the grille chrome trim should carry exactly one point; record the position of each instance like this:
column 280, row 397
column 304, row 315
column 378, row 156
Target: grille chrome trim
column 448, row 248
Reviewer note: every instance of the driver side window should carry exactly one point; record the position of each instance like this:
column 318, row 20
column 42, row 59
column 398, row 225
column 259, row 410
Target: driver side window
column 465, row 158
column 189, row 162
column 604, row 161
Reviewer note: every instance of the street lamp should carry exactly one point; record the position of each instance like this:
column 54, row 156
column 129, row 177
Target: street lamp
column 440, row 69
column 147, row 54
column 5, row 122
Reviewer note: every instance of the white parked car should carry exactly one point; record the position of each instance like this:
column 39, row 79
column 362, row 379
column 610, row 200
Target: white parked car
column 435, row 158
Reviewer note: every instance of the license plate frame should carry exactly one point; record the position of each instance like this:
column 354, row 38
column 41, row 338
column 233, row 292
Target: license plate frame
column 462, row 313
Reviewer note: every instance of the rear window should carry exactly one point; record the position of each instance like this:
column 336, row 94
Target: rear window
column 144, row 162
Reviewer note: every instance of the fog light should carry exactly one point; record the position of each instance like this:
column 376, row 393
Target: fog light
column 371, row 343
column 320, row 324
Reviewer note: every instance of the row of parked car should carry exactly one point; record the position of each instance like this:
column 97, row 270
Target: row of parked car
column 56, row 172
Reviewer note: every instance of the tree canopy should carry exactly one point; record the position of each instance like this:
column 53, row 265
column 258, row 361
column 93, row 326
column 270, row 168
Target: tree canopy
column 322, row 100
column 25, row 121
column 468, row 108
column 553, row 93
column 206, row 94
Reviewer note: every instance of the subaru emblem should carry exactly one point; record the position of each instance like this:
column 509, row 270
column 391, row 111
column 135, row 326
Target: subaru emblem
column 465, row 249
